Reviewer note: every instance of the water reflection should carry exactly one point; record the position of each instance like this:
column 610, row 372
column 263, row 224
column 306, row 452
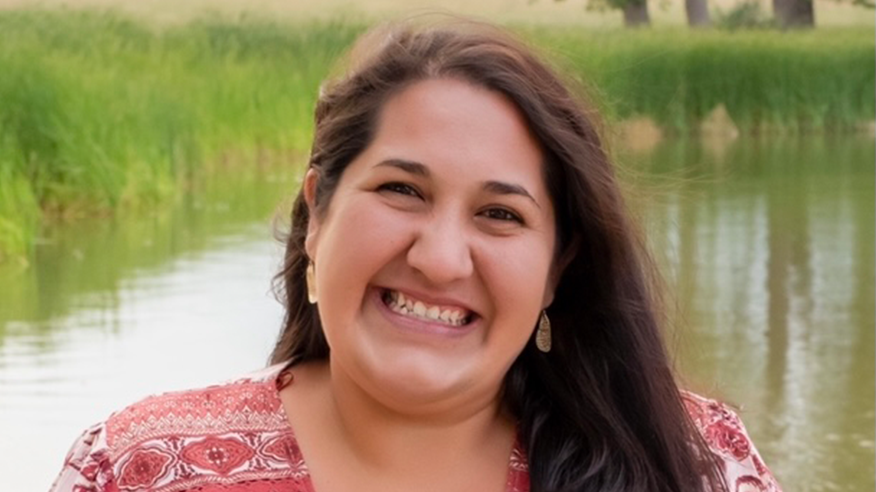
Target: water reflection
column 84, row 265
column 113, row 310
column 767, row 247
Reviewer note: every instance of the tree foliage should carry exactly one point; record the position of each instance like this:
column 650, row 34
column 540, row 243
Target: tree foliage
column 870, row 4
column 603, row 5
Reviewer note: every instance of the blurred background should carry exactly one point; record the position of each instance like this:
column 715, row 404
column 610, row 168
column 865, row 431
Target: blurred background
column 147, row 146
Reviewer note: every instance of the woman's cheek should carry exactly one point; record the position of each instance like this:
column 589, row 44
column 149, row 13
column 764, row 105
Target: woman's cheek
column 364, row 238
column 519, row 265
column 385, row 232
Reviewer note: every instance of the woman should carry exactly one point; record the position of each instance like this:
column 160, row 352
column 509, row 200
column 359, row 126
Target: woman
column 468, row 308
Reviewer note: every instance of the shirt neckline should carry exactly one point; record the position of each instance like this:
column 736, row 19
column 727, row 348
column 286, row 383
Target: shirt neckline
column 517, row 469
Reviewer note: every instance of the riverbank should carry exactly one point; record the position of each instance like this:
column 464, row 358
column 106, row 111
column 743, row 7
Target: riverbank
column 101, row 113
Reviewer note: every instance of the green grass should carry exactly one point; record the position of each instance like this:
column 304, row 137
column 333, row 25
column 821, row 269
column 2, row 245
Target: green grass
column 100, row 113
column 790, row 82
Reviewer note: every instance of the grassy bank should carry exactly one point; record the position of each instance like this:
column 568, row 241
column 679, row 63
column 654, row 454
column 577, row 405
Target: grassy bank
column 100, row 113
column 769, row 81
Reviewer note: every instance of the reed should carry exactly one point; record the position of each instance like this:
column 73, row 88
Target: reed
column 100, row 113
column 769, row 81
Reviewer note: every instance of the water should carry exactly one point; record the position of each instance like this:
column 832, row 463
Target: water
column 767, row 248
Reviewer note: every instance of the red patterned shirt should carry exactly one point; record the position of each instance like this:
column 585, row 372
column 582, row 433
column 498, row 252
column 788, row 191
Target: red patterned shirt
column 236, row 437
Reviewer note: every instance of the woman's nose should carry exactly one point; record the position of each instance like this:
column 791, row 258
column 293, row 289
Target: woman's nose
column 441, row 251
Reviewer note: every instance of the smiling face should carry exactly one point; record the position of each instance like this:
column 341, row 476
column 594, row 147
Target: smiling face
column 433, row 258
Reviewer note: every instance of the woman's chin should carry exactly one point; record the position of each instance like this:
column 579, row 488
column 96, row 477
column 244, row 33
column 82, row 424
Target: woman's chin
column 416, row 383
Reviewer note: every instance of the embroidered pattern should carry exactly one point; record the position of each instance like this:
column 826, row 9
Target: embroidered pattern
column 228, row 435
column 726, row 436
column 237, row 437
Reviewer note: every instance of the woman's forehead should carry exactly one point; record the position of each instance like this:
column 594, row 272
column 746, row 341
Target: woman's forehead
column 447, row 122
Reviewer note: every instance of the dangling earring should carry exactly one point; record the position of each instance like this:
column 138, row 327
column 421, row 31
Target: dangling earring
column 311, row 283
column 543, row 334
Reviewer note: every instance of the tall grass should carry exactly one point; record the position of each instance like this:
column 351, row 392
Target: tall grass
column 100, row 113
column 769, row 81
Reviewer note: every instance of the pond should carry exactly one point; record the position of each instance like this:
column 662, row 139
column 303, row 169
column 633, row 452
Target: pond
column 767, row 253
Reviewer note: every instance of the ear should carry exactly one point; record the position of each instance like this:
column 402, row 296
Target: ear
column 309, row 188
column 560, row 263
column 551, row 288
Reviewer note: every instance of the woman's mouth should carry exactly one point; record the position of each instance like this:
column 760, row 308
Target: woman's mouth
column 408, row 306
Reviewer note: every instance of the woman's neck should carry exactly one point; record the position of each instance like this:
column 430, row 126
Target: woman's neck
column 389, row 432
column 346, row 424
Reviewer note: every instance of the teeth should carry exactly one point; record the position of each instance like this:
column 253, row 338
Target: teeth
column 411, row 307
column 419, row 309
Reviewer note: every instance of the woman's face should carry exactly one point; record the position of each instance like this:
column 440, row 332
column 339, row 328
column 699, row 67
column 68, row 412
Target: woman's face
column 433, row 259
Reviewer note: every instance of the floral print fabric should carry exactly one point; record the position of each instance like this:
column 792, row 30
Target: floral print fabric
column 236, row 437
column 743, row 468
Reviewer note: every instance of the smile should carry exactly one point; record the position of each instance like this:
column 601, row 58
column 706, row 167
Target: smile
column 414, row 308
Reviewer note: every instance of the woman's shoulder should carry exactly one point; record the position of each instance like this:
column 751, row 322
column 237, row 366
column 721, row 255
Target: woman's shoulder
column 248, row 402
column 724, row 433
column 216, row 435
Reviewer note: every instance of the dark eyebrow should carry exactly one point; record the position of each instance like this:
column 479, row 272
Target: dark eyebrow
column 500, row 188
column 412, row 167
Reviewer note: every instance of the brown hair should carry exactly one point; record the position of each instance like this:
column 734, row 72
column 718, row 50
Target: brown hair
column 601, row 411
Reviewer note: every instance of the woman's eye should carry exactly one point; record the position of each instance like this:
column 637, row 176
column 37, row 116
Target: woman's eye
column 503, row 215
column 400, row 188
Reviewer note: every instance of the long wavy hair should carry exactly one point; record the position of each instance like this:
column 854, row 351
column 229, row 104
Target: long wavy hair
column 601, row 411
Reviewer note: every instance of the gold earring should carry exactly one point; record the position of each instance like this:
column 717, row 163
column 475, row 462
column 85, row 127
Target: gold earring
column 311, row 283
column 543, row 334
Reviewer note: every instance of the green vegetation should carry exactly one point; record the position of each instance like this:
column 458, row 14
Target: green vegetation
column 97, row 258
column 100, row 113
column 790, row 82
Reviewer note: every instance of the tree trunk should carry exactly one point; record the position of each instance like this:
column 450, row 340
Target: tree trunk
column 697, row 13
column 794, row 13
column 636, row 13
